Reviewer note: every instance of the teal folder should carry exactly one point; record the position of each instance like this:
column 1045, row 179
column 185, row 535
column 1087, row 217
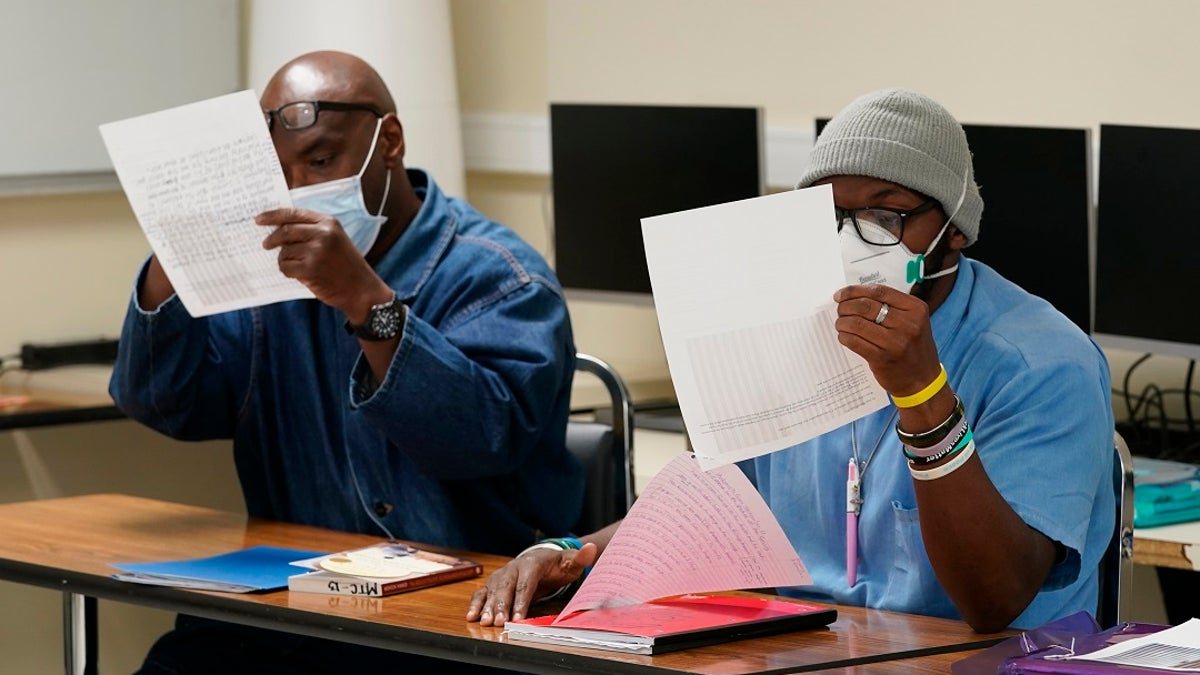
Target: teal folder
column 1166, row 504
column 260, row 568
column 1165, row 492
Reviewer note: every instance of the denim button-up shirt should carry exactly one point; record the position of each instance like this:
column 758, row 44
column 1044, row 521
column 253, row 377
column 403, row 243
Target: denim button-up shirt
column 461, row 444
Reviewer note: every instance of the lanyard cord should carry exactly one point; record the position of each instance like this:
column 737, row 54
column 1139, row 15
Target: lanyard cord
column 862, row 466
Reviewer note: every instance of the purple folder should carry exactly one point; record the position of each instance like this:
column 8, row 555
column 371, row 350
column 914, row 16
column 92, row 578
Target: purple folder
column 1078, row 633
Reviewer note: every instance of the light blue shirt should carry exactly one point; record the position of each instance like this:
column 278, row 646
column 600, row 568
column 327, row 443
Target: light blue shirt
column 1036, row 392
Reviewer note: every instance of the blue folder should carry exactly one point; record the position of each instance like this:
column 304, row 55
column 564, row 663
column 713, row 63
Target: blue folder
column 259, row 568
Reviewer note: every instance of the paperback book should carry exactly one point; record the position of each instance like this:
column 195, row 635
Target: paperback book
column 380, row 570
column 670, row 624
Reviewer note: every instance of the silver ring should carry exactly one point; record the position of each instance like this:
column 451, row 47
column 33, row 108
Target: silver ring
column 883, row 312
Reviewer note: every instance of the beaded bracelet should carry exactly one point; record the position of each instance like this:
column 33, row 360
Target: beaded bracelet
column 945, row 469
column 931, row 389
column 932, row 437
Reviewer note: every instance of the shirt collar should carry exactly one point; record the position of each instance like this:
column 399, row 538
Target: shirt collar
column 408, row 264
column 948, row 318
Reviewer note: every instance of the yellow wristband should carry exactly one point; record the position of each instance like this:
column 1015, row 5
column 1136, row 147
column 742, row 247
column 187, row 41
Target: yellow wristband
column 925, row 394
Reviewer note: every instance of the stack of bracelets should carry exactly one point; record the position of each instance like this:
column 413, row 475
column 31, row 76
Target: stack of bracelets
column 560, row 544
column 952, row 438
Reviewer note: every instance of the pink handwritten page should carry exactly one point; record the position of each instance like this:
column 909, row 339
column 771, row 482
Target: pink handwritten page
column 691, row 531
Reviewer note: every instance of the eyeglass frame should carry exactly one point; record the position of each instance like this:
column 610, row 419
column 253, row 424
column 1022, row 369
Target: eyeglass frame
column 842, row 214
column 318, row 106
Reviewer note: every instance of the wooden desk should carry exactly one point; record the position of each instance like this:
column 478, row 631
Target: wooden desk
column 40, row 411
column 63, row 396
column 69, row 543
column 1175, row 546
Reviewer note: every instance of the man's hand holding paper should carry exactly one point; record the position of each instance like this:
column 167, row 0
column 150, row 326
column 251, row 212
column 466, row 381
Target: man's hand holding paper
column 313, row 248
column 744, row 296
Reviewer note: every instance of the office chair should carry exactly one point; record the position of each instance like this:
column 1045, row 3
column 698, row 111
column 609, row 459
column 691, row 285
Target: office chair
column 1116, row 567
column 605, row 450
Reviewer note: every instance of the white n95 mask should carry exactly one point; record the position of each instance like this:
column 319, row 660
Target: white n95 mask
column 894, row 265
column 343, row 199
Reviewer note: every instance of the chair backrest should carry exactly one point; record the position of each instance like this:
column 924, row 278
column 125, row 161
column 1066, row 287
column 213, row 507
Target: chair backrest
column 1116, row 567
column 605, row 450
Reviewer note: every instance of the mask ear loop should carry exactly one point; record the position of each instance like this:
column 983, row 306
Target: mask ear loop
column 962, row 197
column 387, row 184
column 371, row 151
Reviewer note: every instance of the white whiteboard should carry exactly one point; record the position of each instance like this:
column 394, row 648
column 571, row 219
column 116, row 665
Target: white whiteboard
column 71, row 65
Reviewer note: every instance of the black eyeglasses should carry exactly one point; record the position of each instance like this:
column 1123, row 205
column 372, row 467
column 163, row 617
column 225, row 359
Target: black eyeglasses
column 880, row 226
column 303, row 114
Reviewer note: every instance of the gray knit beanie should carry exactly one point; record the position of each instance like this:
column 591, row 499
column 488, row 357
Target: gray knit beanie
column 904, row 137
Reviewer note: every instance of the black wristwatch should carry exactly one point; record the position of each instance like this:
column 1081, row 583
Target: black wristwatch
column 383, row 322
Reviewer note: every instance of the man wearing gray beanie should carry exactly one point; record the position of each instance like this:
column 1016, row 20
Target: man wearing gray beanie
column 1005, row 504
column 985, row 491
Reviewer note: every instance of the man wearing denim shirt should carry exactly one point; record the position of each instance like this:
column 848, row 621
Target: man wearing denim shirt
column 423, row 394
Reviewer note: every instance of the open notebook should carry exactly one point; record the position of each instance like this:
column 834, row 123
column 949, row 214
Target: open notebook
column 660, row 584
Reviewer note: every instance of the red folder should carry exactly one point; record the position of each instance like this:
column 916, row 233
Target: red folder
column 669, row 624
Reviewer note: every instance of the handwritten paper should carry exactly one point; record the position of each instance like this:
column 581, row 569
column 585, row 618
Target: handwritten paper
column 196, row 176
column 691, row 531
column 744, row 296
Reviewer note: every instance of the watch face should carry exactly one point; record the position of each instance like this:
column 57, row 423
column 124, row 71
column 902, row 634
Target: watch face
column 384, row 322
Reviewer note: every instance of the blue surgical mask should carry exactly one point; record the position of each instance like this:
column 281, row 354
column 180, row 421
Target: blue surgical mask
column 343, row 199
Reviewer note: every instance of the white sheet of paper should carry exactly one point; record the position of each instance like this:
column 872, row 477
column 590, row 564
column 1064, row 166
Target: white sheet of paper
column 691, row 531
column 744, row 296
column 196, row 176
column 1175, row 649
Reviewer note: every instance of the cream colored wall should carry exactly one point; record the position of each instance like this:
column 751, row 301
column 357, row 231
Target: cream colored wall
column 1075, row 62
column 50, row 245
column 500, row 49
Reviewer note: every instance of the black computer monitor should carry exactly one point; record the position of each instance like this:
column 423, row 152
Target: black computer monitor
column 1037, row 209
column 613, row 165
column 1147, row 259
column 1035, row 183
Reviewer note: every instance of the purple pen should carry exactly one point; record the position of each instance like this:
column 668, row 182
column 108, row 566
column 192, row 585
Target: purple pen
column 853, row 501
